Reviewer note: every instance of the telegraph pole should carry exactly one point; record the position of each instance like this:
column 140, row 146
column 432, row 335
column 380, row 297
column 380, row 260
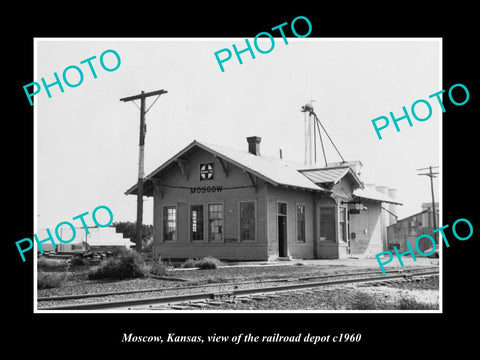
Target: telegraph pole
column 431, row 175
column 142, row 96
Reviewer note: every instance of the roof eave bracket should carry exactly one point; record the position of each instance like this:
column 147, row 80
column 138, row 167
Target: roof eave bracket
column 224, row 165
column 253, row 180
column 183, row 165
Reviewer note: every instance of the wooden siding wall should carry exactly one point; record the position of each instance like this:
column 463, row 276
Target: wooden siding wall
column 367, row 229
column 330, row 249
column 178, row 194
column 296, row 249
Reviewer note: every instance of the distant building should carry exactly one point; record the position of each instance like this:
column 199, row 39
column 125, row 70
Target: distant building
column 98, row 239
column 411, row 227
column 428, row 205
column 211, row 200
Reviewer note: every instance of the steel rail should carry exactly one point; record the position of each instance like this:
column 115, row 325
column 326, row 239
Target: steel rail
column 188, row 287
column 239, row 292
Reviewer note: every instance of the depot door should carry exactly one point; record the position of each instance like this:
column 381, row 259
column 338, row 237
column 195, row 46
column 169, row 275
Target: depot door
column 282, row 230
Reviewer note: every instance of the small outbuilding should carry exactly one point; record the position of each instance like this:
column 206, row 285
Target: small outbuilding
column 410, row 228
column 97, row 239
column 209, row 200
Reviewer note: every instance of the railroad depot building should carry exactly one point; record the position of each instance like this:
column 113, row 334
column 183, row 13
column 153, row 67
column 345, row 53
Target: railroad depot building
column 210, row 200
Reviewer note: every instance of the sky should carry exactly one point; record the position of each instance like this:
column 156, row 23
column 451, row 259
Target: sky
column 86, row 139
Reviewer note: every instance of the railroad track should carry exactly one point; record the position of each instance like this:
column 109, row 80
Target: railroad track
column 226, row 291
column 223, row 284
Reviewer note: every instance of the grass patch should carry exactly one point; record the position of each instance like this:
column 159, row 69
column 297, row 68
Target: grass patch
column 52, row 265
column 204, row 263
column 50, row 280
column 408, row 303
column 364, row 301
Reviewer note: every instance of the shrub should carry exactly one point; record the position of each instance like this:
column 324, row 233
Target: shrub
column 208, row 263
column 190, row 263
column 204, row 263
column 77, row 260
column 123, row 264
column 158, row 268
column 47, row 280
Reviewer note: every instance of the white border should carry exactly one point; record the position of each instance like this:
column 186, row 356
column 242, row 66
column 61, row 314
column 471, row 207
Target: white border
column 35, row 188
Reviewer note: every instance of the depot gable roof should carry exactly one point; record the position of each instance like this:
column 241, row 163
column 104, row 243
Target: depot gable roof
column 269, row 169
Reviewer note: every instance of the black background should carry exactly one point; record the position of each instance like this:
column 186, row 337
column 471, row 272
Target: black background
column 64, row 335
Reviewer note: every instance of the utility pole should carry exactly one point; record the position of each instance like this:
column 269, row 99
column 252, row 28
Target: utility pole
column 142, row 96
column 431, row 175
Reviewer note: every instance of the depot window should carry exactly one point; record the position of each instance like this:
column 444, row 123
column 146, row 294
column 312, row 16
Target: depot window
column 343, row 224
column 169, row 223
column 327, row 224
column 247, row 221
column 196, row 222
column 215, row 222
column 301, row 223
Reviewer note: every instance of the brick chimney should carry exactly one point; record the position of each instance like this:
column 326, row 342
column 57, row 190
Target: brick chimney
column 254, row 145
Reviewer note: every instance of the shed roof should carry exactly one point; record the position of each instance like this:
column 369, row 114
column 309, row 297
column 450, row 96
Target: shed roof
column 326, row 175
column 372, row 194
column 409, row 217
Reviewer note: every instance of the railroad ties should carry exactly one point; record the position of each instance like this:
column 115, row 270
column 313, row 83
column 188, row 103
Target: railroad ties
column 212, row 304
column 405, row 279
column 205, row 298
column 228, row 302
